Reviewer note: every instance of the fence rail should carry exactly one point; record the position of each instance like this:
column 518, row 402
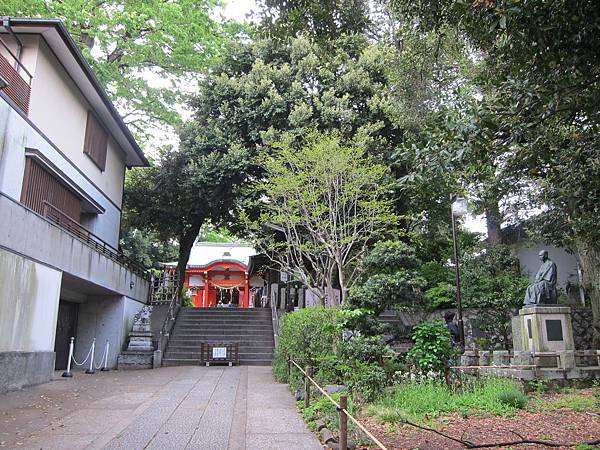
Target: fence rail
column 70, row 225
column 341, row 407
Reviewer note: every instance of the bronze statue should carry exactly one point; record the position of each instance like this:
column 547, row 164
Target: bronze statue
column 543, row 289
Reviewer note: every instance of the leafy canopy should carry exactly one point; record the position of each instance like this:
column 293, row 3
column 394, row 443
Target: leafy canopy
column 145, row 52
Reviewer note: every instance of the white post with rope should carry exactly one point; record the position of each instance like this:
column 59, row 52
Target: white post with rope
column 91, row 370
column 106, row 350
column 67, row 373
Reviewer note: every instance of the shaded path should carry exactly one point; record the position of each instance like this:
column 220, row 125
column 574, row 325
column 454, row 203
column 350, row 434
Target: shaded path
column 169, row 408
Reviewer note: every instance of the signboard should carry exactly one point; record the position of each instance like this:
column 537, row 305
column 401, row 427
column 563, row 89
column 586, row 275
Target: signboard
column 219, row 352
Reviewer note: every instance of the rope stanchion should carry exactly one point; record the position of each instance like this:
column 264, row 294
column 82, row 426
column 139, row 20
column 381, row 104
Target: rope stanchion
column 337, row 405
column 91, row 370
column 67, row 373
column 105, row 368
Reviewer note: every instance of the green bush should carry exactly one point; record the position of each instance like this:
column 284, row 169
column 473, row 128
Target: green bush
column 432, row 347
column 368, row 349
column 367, row 382
column 512, row 398
column 309, row 336
column 442, row 295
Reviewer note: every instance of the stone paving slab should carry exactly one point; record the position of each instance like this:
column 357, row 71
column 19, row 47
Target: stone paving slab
column 208, row 408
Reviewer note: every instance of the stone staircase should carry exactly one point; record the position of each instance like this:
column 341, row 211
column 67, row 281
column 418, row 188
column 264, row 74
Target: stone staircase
column 252, row 328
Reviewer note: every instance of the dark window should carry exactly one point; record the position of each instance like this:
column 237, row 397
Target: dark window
column 95, row 142
column 41, row 188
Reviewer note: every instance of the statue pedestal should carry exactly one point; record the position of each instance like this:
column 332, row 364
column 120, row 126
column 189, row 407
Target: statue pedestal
column 543, row 328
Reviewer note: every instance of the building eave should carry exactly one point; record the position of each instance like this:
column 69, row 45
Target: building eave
column 66, row 50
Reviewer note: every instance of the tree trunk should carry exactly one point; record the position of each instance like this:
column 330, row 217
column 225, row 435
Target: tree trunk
column 493, row 219
column 186, row 242
column 590, row 264
column 342, row 281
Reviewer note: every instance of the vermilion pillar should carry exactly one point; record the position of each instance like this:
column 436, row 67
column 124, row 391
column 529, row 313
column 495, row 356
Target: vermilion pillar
column 246, row 292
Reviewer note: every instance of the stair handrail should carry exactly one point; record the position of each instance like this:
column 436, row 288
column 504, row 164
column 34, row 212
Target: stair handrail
column 275, row 321
column 171, row 277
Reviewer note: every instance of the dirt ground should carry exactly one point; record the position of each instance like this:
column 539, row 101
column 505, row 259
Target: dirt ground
column 562, row 426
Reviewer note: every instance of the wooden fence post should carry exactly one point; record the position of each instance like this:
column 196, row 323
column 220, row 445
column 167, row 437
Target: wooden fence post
column 343, row 423
column 289, row 367
column 307, row 387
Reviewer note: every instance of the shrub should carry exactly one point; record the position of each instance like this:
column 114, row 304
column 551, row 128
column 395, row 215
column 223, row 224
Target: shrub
column 368, row 349
column 513, row 398
column 367, row 382
column 432, row 347
column 309, row 336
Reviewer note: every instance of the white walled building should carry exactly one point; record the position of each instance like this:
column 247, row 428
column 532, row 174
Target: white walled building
column 63, row 154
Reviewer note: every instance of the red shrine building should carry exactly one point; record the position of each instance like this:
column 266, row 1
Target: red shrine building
column 217, row 276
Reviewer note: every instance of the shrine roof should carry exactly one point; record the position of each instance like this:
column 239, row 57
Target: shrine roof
column 204, row 254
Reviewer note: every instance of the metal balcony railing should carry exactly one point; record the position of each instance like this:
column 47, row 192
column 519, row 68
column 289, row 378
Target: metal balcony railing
column 17, row 77
column 56, row 216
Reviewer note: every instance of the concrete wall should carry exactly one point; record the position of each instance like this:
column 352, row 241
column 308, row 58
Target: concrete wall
column 29, row 295
column 27, row 233
column 53, row 91
column 105, row 318
column 17, row 135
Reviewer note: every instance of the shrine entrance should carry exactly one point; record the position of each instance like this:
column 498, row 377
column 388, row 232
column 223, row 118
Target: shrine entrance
column 219, row 284
column 228, row 296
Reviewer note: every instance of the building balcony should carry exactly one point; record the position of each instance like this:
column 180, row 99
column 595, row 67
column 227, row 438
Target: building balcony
column 15, row 78
column 58, row 241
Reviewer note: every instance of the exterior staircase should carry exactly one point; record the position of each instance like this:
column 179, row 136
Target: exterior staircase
column 252, row 328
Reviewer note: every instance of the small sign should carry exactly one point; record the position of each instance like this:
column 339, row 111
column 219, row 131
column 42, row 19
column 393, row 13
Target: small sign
column 219, row 352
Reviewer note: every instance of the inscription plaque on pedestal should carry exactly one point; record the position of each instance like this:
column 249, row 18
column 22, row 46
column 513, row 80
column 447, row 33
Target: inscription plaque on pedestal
column 554, row 330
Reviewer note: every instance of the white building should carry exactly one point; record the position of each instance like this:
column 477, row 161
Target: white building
column 63, row 154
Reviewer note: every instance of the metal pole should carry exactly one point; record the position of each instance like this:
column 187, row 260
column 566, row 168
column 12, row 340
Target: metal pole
column 461, row 325
column 307, row 387
column 68, row 373
column 91, row 369
column 343, row 423
column 105, row 368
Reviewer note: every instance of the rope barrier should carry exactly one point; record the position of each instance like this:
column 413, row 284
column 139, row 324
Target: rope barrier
column 104, row 355
column 86, row 358
column 356, row 422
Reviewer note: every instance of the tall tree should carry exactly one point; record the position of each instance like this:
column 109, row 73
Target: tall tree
column 184, row 191
column 542, row 74
column 145, row 52
column 329, row 201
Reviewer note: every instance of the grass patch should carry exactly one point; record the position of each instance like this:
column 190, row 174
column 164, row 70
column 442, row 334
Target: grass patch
column 422, row 401
column 574, row 401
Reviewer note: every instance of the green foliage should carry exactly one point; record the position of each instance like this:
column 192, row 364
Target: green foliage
column 442, row 295
column 186, row 298
column 514, row 399
column 135, row 41
column 390, row 279
column 423, row 400
column 574, row 401
column 146, row 249
column 367, row 382
column 368, row 349
column 492, row 278
column 309, row 335
column 323, row 409
column 432, row 348
column 328, row 200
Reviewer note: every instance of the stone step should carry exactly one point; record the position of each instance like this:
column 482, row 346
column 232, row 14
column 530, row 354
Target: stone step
column 237, row 328
column 243, row 345
column 191, row 362
column 205, row 320
column 230, row 332
column 198, row 356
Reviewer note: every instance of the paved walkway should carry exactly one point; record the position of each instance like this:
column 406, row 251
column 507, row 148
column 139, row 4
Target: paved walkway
column 169, row 408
